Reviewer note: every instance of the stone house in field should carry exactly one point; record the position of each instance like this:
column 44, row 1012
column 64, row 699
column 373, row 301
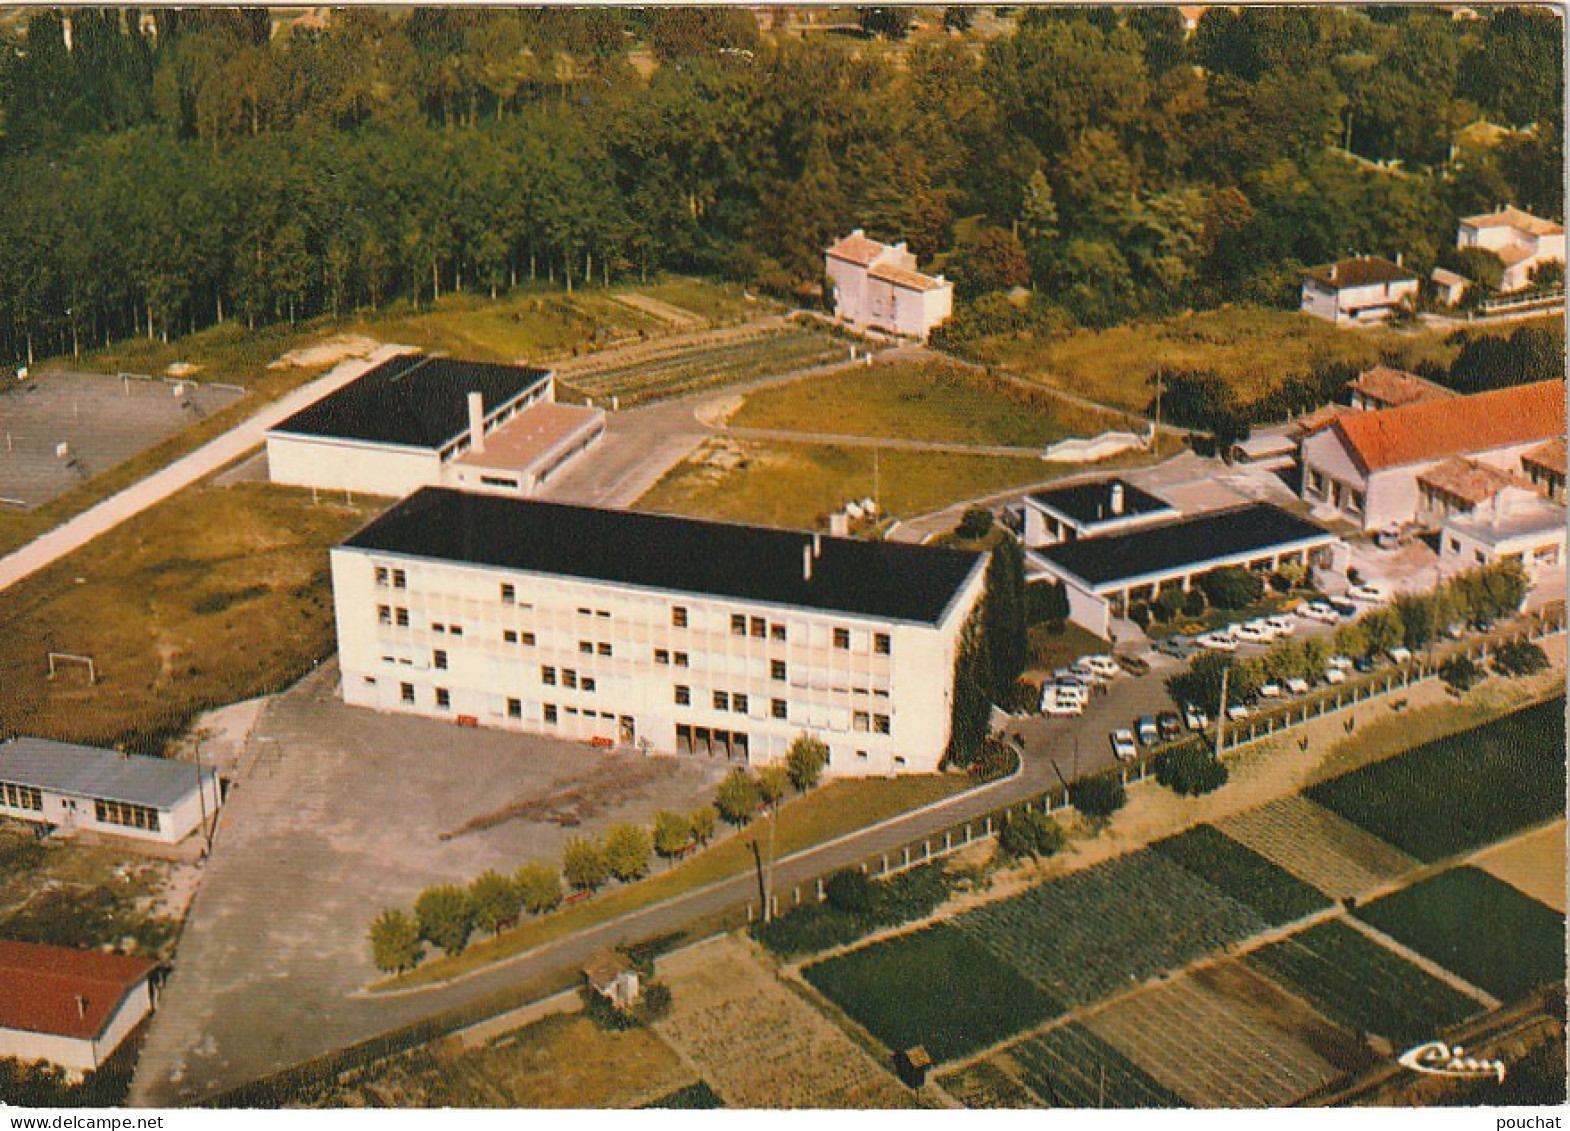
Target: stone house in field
column 877, row 286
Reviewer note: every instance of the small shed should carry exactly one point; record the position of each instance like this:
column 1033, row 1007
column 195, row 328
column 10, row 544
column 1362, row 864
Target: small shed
column 912, row 1065
column 612, row 975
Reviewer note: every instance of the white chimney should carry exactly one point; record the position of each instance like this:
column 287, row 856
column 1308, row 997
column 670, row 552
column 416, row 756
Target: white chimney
column 1333, row 272
column 1117, row 498
column 817, row 545
column 81, row 1006
column 1398, row 258
column 477, row 422
column 806, row 563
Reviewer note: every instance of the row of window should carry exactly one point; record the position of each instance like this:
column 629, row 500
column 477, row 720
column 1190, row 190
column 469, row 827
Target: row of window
column 121, row 813
column 736, row 701
column 21, row 796
column 552, row 714
column 569, row 678
column 387, row 577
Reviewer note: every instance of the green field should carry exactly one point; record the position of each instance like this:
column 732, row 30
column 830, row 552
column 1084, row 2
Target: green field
column 1072, row 1067
column 1478, row 927
column 1096, row 932
column 1242, row 874
column 918, row 401
column 1358, row 983
column 1463, row 791
column 796, row 485
column 935, row 987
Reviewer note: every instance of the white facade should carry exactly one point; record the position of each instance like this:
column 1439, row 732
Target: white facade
column 1368, row 302
column 877, row 285
column 1525, row 530
column 664, row 670
column 180, row 812
column 1521, row 241
column 81, row 1055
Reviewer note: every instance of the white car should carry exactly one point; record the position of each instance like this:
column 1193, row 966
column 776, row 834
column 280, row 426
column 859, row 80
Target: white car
column 1340, row 663
column 1281, row 625
column 1400, row 655
column 1217, row 641
column 1297, row 685
column 1060, row 703
column 1103, row 665
column 1070, row 687
column 1123, row 747
column 1194, row 718
column 1318, row 610
column 1080, row 669
column 1335, row 675
column 1238, row 712
column 1253, row 632
column 1270, row 690
column 1369, row 592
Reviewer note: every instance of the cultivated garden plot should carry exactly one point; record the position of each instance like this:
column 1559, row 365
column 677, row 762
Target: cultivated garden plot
column 1242, row 873
column 1106, row 929
column 1533, row 864
column 1362, row 985
column 935, row 987
column 758, row 1044
column 1070, row 1066
column 1318, row 847
column 1460, row 792
column 984, row 1085
column 727, row 361
column 1225, row 1037
column 1477, row 927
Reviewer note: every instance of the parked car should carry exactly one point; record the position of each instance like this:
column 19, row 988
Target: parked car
column 1399, row 655
column 1134, row 665
column 1297, row 685
column 1339, row 663
column 1059, row 702
column 1343, row 607
column 1484, row 625
column 1363, row 665
column 1455, row 631
column 1170, row 725
column 1072, row 687
column 1181, row 648
column 1103, row 665
column 1194, row 718
column 1252, row 632
column 1370, row 591
column 1270, row 690
column 1238, row 712
column 1145, row 727
column 1334, row 676
column 1217, row 641
column 1085, row 672
column 1318, row 611
column 1123, row 747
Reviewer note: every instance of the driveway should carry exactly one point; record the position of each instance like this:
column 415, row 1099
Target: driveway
column 342, row 812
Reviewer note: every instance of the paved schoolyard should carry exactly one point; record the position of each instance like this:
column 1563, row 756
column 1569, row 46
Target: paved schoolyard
column 102, row 420
column 340, row 812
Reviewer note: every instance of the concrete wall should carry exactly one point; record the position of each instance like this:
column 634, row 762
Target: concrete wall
column 344, row 465
column 497, row 683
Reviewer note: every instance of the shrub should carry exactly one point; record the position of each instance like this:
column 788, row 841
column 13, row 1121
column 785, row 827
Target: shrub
column 584, row 864
column 1139, row 613
column 1046, row 602
column 1190, row 769
column 672, row 833
column 814, row 927
column 804, row 762
column 975, row 524
column 627, row 849
column 773, row 781
column 850, row 890
column 654, row 1002
column 1168, row 604
column 737, row 798
column 704, row 819
column 1231, row 587
column 1032, row 834
column 495, row 900
column 446, row 917
column 1520, row 657
column 395, row 942
column 1194, row 603
column 539, row 887
column 997, row 759
column 1099, row 796
column 1460, row 673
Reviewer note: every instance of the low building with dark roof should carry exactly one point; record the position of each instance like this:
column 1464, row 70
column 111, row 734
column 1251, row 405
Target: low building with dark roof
column 652, row 631
column 1359, row 290
column 408, row 422
column 1085, row 510
column 87, row 789
column 1104, row 576
column 71, row 1008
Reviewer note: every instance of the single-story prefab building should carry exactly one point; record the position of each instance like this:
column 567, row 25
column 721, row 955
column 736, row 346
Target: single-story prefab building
column 655, row 632
column 84, row 788
column 1104, row 576
column 69, row 1007
column 419, row 421
column 1365, row 467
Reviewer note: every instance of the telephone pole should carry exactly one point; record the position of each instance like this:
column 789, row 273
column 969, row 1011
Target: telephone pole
column 1221, row 712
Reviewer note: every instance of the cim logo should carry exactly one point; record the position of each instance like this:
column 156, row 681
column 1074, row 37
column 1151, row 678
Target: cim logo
column 1438, row 1059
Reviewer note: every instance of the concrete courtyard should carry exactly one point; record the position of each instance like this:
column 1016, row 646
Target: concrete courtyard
column 338, row 813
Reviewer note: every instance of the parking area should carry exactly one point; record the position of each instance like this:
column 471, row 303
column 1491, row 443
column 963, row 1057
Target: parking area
column 100, row 420
column 340, row 812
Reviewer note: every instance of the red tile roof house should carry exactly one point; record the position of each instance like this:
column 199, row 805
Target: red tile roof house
column 69, row 1007
column 1361, row 290
column 1365, row 467
column 877, row 285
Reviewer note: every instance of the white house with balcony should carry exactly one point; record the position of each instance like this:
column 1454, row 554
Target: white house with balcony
column 877, row 285
column 1522, row 242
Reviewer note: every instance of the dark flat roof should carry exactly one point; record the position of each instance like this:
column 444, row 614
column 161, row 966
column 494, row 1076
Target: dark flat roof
column 413, row 400
column 1190, row 541
column 892, row 580
column 1090, row 503
column 90, row 771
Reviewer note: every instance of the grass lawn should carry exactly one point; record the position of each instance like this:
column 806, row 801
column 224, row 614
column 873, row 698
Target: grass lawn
column 1052, row 650
column 1461, row 791
column 1242, row 873
column 929, row 400
column 1478, row 927
column 216, row 595
column 1353, row 980
column 825, row 813
column 935, row 987
column 796, row 485
column 718, row 302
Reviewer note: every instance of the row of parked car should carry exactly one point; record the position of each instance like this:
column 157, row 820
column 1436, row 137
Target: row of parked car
column 1263, row 630
column 1069, row 689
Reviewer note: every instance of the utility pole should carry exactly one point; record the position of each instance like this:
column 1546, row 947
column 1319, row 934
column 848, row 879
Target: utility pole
column 768, row 884
column 1221, row 712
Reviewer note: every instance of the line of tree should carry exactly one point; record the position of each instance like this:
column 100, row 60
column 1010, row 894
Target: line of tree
column 165, row 173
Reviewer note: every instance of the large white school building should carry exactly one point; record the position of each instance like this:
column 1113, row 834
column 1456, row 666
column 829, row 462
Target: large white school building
column 660, row 633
